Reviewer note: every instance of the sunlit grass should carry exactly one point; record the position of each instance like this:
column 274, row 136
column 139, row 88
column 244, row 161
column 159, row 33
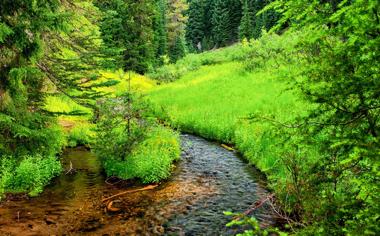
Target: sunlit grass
column 138, row 83
column 79, row 128
column 215, row 101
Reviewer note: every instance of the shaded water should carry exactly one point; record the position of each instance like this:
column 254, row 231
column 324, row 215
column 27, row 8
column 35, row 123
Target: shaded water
column 207, row 181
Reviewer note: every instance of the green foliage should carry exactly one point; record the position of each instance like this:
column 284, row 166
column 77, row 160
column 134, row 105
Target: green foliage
column 176, row 21
column 81, row 134
column 192, row 62
column 246, row 24
column 46, row 47
column 121, row 124
column 178, row 49
column 220, row 22
column 255, row 229
column 160, row 31
column 150, row 160
column 317, row 142
column 217, row 23
column 30, row 175
column 136, row 18
column 196, row 25
column 338, row 75
column 60, row 104
column 129, row 143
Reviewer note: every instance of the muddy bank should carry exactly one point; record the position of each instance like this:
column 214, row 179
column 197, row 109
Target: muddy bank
column 207, row 181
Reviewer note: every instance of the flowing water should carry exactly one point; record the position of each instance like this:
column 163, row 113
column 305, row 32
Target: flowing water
column 207, row 181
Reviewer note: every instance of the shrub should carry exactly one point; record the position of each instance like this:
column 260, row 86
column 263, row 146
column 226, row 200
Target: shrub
column 192, row 62
column 151, row 160
column 30, row 175
column 130, row 144
column 122, row 123
column 81, row 134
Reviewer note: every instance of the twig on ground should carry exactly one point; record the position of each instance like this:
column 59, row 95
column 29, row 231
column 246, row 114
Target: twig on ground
column 259, row 204
column 149, row 187
column 71, row 168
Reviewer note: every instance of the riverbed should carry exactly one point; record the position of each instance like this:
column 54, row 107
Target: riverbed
column 207, row 181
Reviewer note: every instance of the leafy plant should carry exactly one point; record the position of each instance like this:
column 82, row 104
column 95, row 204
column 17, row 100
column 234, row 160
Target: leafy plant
column 255, row 229
column 151, row 160
column 130, row 143
column 30, row 175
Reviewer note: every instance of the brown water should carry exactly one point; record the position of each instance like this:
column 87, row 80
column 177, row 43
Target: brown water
column 207, row 181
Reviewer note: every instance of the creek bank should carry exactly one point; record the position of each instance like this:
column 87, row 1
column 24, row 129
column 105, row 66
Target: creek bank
column 207, row 181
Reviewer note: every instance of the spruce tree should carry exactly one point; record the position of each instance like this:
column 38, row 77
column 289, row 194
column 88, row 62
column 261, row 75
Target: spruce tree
column 235, row 14
column 196, row 27
column 176, row 21
column 246, row 24
column 160, row 30
column 220, row 23
column 138, row 27
column 25, row 129
column 178, row 49
column 128, row 24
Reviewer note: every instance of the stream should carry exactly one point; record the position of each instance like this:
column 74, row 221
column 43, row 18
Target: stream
column 207, row 181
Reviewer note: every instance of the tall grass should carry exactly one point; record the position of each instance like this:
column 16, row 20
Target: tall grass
column 217, row 100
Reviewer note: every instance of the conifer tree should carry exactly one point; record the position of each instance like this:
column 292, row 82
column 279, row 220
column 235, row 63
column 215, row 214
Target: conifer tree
column 235, row 14
column 176, row 21
column 246, row 26
column 138, row 27
column 196, row 26
column 160, row 30
column 220, row 23
column 24, row 127
column 178, row 49
column 128, row 24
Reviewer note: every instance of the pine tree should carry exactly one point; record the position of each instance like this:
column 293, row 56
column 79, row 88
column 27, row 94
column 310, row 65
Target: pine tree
column 176, row 21
column 73, row 59
column 111, row 28
column 160, row 31
column 139, row 53
column 220, row 23
column 235, row 14
column 196, row 27
column 178, row 49
column 128, row 24
column 246, row 26
column 266, row 20
column 24, row 127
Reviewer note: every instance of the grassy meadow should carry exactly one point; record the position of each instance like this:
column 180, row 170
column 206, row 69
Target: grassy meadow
column 215, row 102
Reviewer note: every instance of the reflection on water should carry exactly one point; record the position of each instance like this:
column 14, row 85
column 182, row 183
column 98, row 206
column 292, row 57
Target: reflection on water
column 207, row 181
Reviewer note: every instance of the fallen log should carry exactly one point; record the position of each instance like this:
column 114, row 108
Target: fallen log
column 149, row 187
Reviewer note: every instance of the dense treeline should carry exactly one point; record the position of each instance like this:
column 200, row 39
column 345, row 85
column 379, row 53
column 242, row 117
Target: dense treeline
column 161, row 31
column 217, row 23
column 143, row 34
column 328, row 54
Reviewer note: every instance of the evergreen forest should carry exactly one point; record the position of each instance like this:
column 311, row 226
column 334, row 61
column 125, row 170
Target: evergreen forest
column 190, row 117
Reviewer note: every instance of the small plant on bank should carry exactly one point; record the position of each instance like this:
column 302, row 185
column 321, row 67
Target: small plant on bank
column 29, row 175
column 121, row 124
column 252, row 224
column 131, row 144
